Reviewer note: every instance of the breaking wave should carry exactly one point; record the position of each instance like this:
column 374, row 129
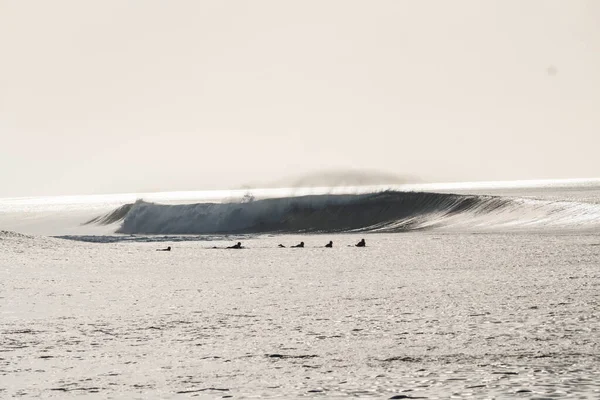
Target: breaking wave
column 13, row 235
column 389, row 211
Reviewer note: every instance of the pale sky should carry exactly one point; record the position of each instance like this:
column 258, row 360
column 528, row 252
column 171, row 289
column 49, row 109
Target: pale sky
column 113, row 96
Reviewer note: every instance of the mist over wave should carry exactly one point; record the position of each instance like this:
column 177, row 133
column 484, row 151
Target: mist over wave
column 337, row 178
column 388, row 211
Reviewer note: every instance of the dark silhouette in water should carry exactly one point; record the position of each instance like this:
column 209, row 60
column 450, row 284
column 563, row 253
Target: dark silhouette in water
column 236, row 246
column 361, row 243
column 167, row 249
column 301, row 244
column 330, row 244
column 281, row 245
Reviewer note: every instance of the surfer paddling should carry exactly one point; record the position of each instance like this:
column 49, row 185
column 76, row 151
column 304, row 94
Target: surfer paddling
column 299, row 245
column 167, row 249
column 238, row 245
column 361, row 243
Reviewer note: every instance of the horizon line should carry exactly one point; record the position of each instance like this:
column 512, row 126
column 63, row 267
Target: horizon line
column 500, row 184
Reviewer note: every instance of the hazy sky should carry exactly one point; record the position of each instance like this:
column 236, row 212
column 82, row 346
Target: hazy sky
column 110, row 95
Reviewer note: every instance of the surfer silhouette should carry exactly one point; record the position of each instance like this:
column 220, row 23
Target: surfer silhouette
column 281, row 245
column 167, row 249
column 238, row 245
column 330, row 244
column 300, row 245
column 361, row 243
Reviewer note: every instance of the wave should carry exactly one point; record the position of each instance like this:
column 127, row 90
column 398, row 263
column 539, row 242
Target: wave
column 389, row 211
column 112, row 217
column 13, row 235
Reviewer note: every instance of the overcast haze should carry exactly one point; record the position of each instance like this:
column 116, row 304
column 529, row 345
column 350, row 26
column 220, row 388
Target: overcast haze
column 121, row 96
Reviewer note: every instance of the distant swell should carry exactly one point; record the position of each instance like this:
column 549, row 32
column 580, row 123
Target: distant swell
column 377, row 212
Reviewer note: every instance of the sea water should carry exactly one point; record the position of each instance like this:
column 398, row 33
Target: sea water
column 449, row 311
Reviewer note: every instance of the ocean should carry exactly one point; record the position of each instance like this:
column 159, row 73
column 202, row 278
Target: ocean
column 472, row 290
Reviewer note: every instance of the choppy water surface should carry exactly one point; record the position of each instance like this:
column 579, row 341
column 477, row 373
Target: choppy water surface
column 490, row 291
column 413, row 315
